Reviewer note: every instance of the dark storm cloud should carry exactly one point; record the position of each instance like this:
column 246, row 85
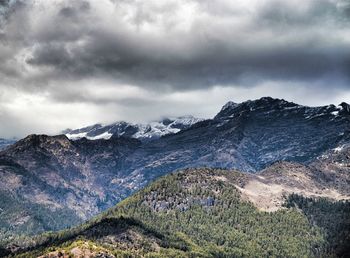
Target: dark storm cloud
column 4, row 3
column 278, row 40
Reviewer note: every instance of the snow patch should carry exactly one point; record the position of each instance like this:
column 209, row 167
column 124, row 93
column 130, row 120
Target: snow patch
column 339, row 149
column 335, row 113
column 76, row 136
column 105, row 135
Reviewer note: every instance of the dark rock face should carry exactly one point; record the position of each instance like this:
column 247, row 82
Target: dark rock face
column 269, row 129
column 86, row 176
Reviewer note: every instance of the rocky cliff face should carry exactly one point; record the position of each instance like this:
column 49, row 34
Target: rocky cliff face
column 83, row 177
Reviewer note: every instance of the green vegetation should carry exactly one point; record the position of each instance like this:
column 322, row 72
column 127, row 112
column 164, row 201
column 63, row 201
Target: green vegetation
column 199, row 213
column 332, row 217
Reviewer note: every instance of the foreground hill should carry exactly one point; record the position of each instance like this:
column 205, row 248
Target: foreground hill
column 204, row 213
column 52, row 182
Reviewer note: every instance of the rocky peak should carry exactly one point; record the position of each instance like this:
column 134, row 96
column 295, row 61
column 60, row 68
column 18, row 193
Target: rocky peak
column 41, row 141
column 346, row 107
column 268, row 103
column 229, row 104
column 231, row 109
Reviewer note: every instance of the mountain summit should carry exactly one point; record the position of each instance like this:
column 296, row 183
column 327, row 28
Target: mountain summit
column 272, row 105
column 265, row 103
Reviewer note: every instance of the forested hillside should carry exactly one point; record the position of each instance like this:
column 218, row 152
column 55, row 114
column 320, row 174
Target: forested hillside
column 200, row 213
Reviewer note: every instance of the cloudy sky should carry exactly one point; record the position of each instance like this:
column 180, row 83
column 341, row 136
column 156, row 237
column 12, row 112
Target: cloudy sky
column 71, row 63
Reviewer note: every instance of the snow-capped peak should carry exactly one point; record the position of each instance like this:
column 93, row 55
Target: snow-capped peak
column 144, row 132
column 229, row 104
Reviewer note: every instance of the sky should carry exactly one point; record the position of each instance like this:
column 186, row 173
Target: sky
column 72, row 63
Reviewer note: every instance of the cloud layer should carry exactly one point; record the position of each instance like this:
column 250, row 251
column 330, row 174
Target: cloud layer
column 115, row 59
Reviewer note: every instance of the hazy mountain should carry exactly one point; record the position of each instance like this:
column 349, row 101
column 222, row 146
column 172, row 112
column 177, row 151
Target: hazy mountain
column 6, row 142
column 74, row 180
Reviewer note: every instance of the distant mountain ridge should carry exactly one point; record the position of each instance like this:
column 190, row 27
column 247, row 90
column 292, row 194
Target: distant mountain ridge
column 6, row 142
column 143, row 132
column 84, row 177
column 268, row 105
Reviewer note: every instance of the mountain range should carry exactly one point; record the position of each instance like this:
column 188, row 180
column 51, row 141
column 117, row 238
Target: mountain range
column 53, row 182
column 143, row 132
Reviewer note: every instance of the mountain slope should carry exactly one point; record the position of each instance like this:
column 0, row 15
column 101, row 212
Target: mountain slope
column 85, row 177
column 46, row 179
column 248, row 136
column 200, row 213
